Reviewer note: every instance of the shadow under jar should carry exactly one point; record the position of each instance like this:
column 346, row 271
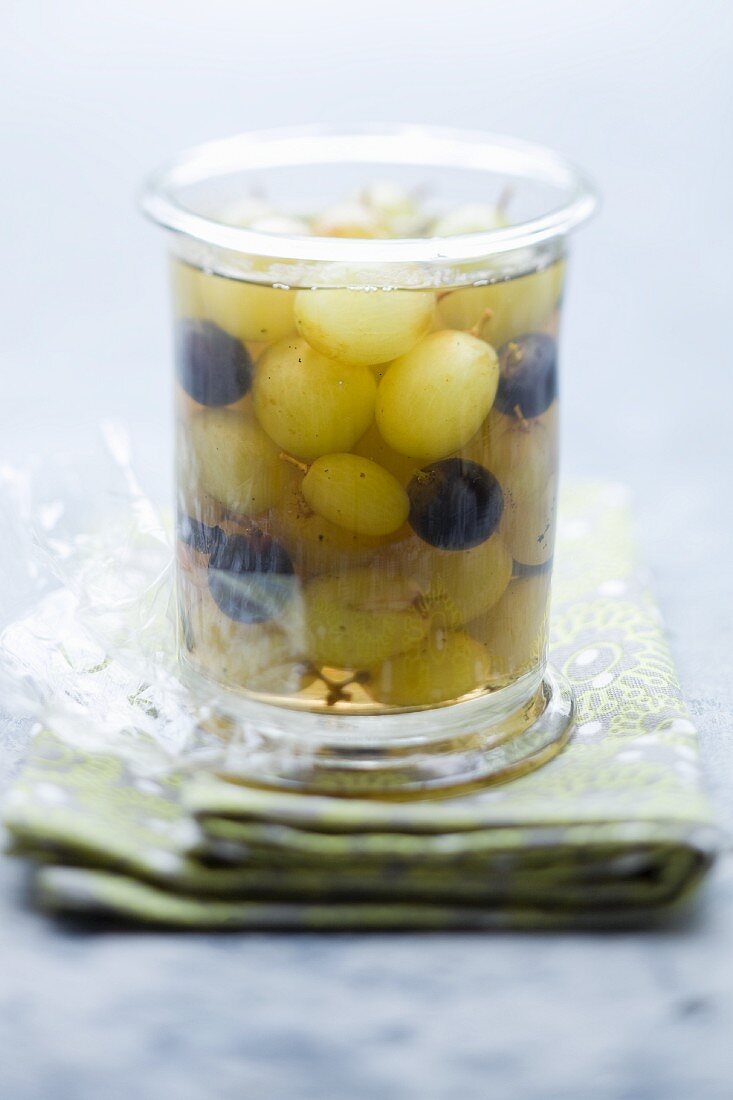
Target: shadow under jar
column 367, row 450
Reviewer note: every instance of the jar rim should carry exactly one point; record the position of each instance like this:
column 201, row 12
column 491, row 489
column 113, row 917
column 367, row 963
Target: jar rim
column 398, row 145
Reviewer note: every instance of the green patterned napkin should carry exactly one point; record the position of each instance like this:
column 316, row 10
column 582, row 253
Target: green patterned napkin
column 616, row 829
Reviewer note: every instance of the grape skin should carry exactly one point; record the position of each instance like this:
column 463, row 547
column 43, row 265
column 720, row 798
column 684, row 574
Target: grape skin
column 314, row 543
column 518, row 305
column 454, row 504
column 263, row 657
column 443, row 667
column 528, row 375
column 499, row 451
column 513, row 630
column 212, row 367
column 433, row 400
column 463, row 585
column 356, row 493
column 234, row 461
column 373, row 446
column 246, row 311
column 352, row 219
column 528, row 525
column 251, row 577
column 523, row 459
column 311, row 405
column 201, row 537
column 359, row 618
column 471, row 217
column 363, row 327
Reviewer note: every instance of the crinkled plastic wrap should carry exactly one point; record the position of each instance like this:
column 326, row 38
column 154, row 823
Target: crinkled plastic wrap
column 88, row 641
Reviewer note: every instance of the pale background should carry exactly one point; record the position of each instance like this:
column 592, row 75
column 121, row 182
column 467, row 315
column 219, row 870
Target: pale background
column 92, row 95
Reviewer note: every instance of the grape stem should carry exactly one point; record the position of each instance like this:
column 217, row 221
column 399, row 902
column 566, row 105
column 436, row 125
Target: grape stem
column 302, row 466
column 336, row 692
column 523, row 422
column 475, row 329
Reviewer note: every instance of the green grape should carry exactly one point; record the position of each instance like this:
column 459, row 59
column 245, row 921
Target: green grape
column 357, row 619
column 463, row 584
column 372, row 445
column 244, row 210
column 191, row 500
column 314, row 544
column 245, row 310
column 311, row 405
column 514, row 629
column 442, row 668
column 379, row 370
column 397, row 209
column 433, row 400
column 234, row 461
column 262, row 657
column 523, row 458
column 352, row 218
column 513, row 443
column 518, row 305
column 363, row 327
column 504, row 442
column 471, row 217
column 528, row 525
column 281, row 224
column 355, row 493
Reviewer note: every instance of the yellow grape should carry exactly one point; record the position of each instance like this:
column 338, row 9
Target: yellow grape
column 514, row 444
column 379, row 370
column 372, row 445
column 311, row 405
column 245, row 310
column 244, row 211
column 503, row 442
column 463, row 584
column 518, row 305
column 363, row 327
column 235, row 462
column 549, row 423
column 186, row 406
column 352, row 219
column 432, row 400
column 528, row 525
column 523, row 458
column 443, row 667
column 359, row 618
column 356, row 493
column 191, row 500
column 397, row 209
column 314, row 544
column 514, row 629
column 282, row 224
column 471, row 217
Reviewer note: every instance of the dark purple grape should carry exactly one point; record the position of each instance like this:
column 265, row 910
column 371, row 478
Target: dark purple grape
column 213, row 367
column 454, row 504
column 528, row 375
column 250, row 577
column 199, row 536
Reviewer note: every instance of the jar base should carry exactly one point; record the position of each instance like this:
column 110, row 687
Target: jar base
column 445, row 758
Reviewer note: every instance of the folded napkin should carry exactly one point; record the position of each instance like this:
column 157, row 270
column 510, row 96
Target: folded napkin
column 616, row 829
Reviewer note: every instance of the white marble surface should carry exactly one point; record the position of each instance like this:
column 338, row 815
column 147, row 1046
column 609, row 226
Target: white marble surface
column 639, row 93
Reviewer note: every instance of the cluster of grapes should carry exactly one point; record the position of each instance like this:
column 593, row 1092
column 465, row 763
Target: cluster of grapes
column 366, row 486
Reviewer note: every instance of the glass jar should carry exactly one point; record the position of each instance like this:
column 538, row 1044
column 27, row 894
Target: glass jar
column 367, row 450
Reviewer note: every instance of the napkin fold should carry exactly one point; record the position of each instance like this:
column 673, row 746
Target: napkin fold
column 617, row 829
